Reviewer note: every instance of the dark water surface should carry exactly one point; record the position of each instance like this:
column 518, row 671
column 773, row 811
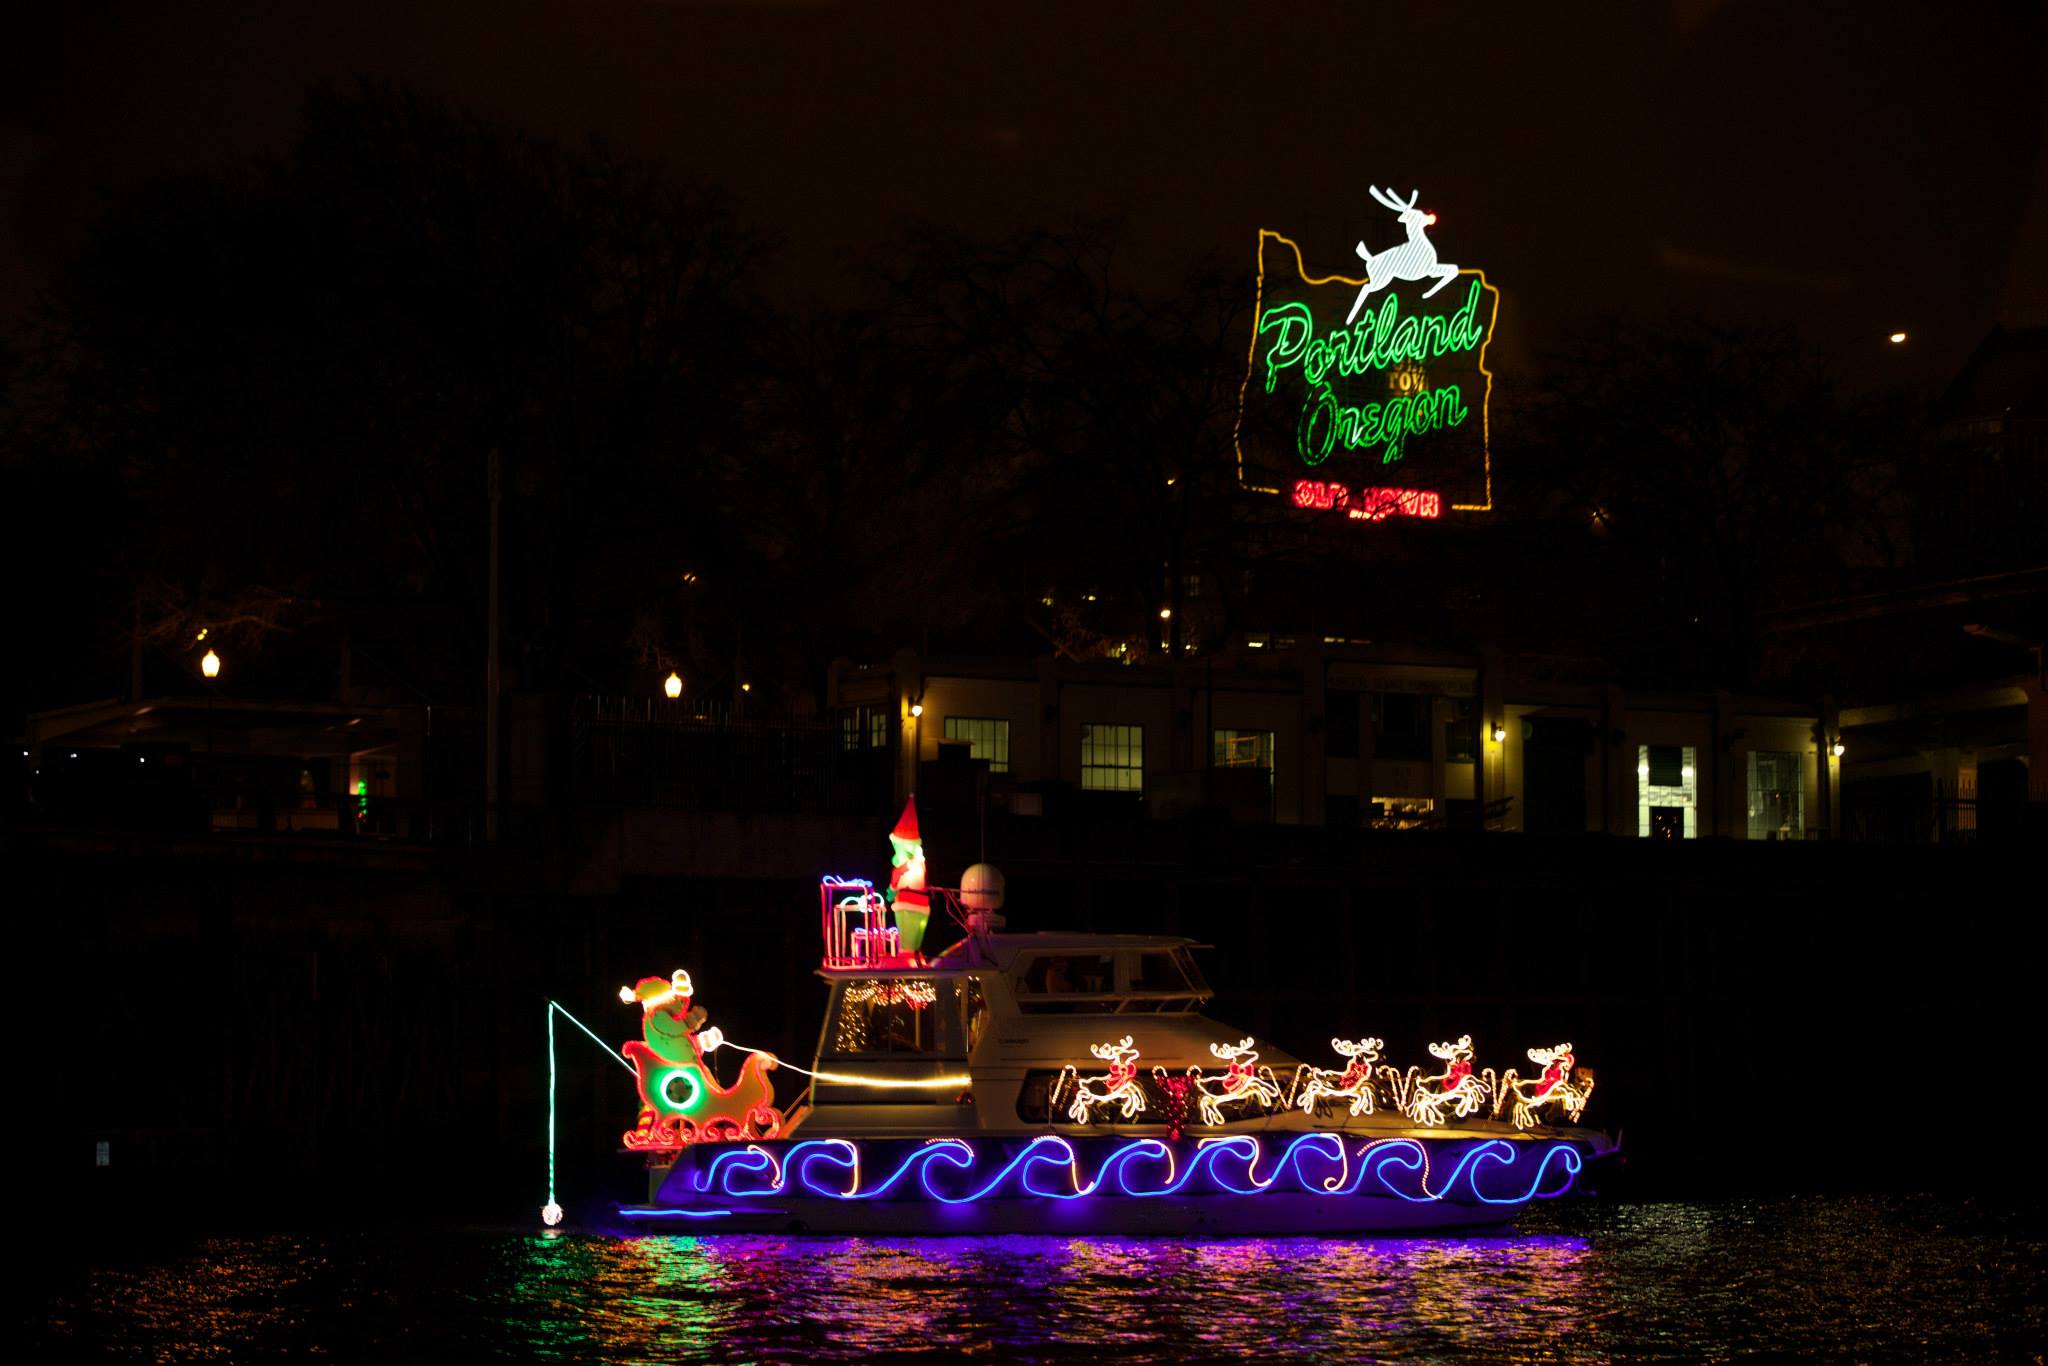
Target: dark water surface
column 1828, row 1279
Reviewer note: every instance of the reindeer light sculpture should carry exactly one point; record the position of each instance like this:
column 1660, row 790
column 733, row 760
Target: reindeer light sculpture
column 1353, row 1083
column 1414, row 259
column 1557, row 1086
column 1244, row 1082
column 1118, row 1088
column 1457, row 1088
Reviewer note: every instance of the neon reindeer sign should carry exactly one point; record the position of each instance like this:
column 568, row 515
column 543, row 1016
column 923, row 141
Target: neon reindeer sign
column 1414, row 259
column 1346, row 376
column 1118, row 1090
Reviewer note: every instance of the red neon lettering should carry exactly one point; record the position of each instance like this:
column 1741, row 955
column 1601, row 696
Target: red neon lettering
column 1378, row 504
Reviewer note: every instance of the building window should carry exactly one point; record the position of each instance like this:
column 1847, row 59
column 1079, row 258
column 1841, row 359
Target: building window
column 864, row 728
column 1667, row 792
column 1777, row 795
column 1400, row 726
column 1340, row 725
column 1245, row 749
column 1113, row 758
column 1461, row 731
column 1401, row 813
column 989, row 738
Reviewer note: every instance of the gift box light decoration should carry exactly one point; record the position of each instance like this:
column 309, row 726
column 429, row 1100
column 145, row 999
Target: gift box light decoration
column 1314, row 1085
column 856, row 923
column 1117, row 1089
column 1559, row 1085
column 1244, row 1084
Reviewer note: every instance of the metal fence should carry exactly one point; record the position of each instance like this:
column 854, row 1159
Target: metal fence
column 675, row 754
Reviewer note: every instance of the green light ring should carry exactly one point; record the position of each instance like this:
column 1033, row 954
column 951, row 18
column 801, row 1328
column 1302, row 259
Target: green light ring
column 667, row 1103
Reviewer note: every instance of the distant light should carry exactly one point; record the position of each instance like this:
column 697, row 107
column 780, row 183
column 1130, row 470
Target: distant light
column 201, row 636
column 746, row 687
column 551, row 1214
column 673, row 684
column 74, row 754
column 1897, row 338
column 1166, row 614
column 141, row 759
column 917, row 709
column 210, row 665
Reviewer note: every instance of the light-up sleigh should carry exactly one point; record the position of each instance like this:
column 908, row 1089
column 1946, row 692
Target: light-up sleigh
column 1065, row 1083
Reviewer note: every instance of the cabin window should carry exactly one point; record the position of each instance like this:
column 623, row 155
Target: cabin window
column 898, row 1017
column 1157, row 972
column 976, row 1005
column 1060, row 983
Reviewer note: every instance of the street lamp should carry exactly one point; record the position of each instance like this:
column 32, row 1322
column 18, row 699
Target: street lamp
column 209, row 669
column 673, row 685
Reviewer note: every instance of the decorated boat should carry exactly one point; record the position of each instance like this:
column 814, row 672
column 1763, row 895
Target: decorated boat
column 1062, row 1083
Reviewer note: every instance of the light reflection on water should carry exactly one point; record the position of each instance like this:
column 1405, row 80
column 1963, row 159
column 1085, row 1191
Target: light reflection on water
column 1850, row 1279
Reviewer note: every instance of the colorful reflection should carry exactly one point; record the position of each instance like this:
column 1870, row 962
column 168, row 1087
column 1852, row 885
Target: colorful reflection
column 1827, row 1279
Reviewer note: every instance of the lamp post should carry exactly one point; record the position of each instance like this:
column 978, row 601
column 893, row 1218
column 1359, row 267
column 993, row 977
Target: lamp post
column 209, row 669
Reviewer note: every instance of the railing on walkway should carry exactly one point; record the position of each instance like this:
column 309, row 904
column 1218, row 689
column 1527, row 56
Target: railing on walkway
column 673, row 754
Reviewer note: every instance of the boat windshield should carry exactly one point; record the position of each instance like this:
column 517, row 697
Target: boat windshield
column 1123, row 982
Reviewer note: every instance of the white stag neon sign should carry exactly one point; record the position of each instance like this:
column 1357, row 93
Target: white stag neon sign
column 1414, row 259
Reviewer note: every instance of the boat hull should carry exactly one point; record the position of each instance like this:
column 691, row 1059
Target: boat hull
column 1263, row 1184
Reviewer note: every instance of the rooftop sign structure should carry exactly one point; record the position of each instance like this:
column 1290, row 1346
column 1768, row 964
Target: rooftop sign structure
column 1367, row 397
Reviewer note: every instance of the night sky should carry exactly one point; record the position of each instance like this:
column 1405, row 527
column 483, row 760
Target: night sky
column 1854, row 168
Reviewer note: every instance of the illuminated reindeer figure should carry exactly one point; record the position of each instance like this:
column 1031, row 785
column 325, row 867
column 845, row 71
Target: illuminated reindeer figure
column 1119, row 1088
column 1242, row 1082
column 1457, row 1088
column 1414, row 259
column 1354, row 1082
column 1557, row 1086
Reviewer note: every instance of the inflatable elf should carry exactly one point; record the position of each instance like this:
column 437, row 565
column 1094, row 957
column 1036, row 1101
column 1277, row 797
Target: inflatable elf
column 906, row 880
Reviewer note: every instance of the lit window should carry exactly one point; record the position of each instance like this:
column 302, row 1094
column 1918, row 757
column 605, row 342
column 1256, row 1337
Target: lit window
column 1777, row 795
column 989, row 737
column 1667, row 792
column 1113, row 758
column 864, row 728
column 1245, row 749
